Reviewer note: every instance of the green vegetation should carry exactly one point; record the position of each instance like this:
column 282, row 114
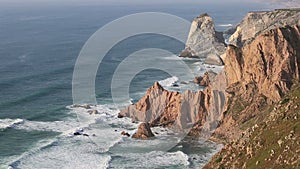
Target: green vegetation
column 271, row 139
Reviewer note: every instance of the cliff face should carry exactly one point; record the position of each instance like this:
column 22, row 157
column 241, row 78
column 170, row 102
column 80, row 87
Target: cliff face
column 271, row 62
column 256, row 23
column 204, row 41
column 259, row 74
column 261, row 118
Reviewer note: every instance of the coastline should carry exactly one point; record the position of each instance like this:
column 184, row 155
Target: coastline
column 239, row 41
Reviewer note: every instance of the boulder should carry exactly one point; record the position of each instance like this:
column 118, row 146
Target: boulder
column 213, row 59
column 143, row 132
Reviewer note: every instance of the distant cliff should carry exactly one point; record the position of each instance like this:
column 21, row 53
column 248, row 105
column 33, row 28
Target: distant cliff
column 256, row 23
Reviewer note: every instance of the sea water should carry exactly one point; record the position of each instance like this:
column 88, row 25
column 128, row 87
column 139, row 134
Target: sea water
column 38, row 49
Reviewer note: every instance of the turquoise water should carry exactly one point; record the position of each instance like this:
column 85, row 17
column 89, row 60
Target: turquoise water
column 38, row 49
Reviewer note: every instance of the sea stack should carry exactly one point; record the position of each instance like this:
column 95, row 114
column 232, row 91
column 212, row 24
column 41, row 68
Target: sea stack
column 204, row 41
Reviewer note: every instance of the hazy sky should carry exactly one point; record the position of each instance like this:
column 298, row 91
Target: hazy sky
column 292, row 3
column 116, row 1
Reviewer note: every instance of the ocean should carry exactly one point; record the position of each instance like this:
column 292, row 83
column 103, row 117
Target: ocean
column 39, row 46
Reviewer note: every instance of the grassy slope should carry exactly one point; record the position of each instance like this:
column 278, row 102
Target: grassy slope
column 270, row 139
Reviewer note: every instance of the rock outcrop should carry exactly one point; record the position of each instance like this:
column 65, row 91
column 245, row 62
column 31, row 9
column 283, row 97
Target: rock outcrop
column 205, row 80
column 256, row 23
column 204, row 41
column 143, row 132
column 160, row 107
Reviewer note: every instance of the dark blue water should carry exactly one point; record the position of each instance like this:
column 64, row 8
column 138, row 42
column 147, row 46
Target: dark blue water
column 40, row 44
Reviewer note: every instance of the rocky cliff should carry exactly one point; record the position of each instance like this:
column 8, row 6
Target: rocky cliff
column 259, row 74
column 261, row 118
column 249, row 103
column 256, row 23
column 203, row 41
column 160, row 107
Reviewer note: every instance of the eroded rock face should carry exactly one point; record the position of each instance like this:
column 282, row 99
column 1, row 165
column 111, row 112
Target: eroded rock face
column 165, row 108
column 158, row 106
column 271, row 62
column 143, row 132
column 182, row 112
column 256, row 23
column 203, row 40
column 259, row 74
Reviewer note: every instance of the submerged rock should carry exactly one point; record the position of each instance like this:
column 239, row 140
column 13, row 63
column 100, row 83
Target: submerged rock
column 124, row 133
column 93, row 112
column 86, row 106
column 143, row 132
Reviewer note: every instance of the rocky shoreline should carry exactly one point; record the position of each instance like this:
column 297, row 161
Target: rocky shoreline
column 261, row 70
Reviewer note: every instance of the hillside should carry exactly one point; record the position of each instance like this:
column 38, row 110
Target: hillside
column 270, row 140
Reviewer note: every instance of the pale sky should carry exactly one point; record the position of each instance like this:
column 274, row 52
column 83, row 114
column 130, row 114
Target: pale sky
column 290, row 3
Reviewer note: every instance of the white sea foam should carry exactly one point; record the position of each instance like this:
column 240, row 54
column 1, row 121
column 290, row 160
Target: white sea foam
column 67, row 154
column 153, row 159
column 225, row 25
column 10, row 123
column 104, row 131
column 75, row 152
column 173, row 57
column 168, row 82
column 22, row 124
